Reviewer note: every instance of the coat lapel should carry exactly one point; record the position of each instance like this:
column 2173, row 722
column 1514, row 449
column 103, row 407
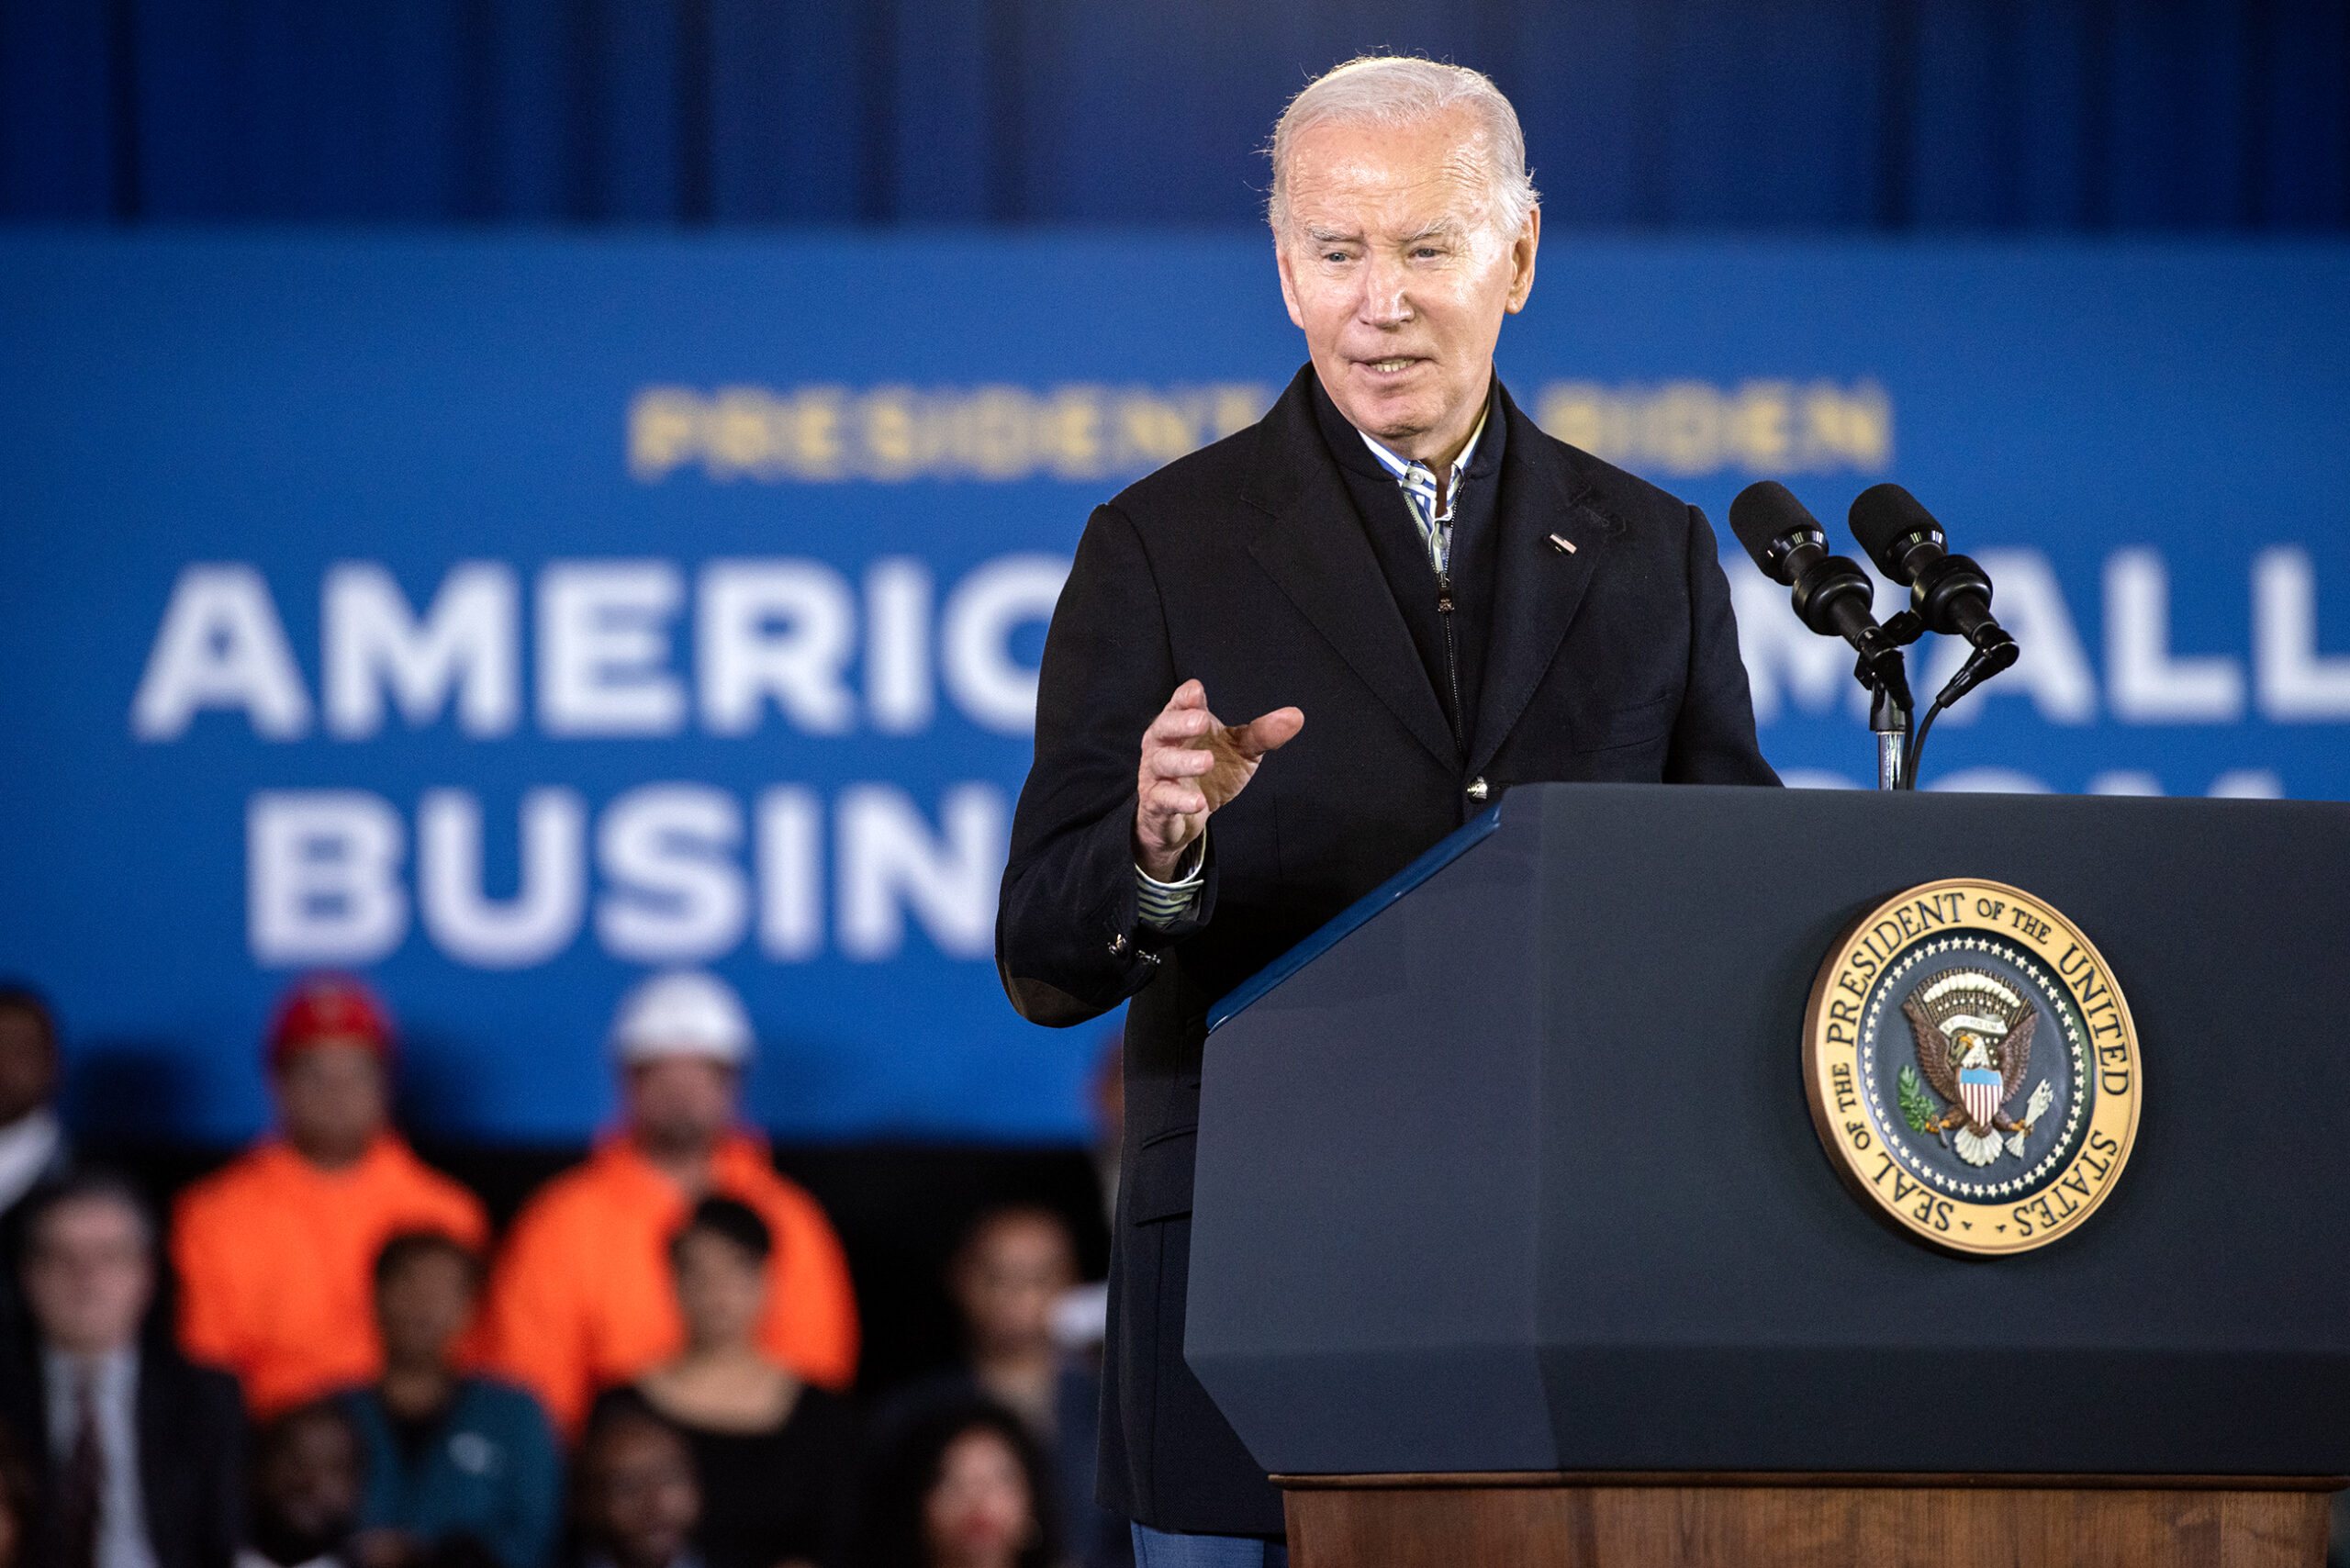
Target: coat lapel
column 1537, row 586
column 1317, row 553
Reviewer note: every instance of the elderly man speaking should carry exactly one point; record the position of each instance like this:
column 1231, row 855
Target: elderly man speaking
column 1411, row 598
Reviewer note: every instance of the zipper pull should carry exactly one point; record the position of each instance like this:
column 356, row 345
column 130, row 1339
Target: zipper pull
column 1444, row 593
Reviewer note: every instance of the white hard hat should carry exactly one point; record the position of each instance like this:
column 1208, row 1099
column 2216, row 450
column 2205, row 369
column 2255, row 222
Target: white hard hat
column 685, row 1013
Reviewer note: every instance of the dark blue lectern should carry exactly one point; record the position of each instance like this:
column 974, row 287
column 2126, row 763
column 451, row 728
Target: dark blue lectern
column 1514, row 1241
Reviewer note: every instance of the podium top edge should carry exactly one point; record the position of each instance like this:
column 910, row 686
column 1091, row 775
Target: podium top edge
column 1438, row 855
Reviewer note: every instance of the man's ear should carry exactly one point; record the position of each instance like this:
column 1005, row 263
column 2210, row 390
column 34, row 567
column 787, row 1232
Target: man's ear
column 1521, row 257
column 1288, row 289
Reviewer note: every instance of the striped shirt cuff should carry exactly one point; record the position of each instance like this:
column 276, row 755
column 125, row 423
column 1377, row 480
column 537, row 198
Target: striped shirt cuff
column 1163, row 904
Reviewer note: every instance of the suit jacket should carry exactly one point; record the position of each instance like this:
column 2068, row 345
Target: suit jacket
column 191, row 1452
column 1247, row 565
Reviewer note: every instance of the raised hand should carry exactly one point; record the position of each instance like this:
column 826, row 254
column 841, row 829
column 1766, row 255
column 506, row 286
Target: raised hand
column 1191, row 765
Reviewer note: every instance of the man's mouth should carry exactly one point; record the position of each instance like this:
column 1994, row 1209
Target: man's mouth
column 1395, row 366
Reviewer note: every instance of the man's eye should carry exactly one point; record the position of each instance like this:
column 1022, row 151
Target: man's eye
column 1335, row 256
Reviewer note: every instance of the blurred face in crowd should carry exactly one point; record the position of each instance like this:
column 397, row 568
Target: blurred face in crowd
column 679, row 1106
column 638, row 1497
column 89, row 1274
column 423, row 1304
column 1395, row 267
column 722, row 1290
column 330, row 1098
column 28, row 1063
column 1010, row 1274
column 306, row 1482
column 978, row 1514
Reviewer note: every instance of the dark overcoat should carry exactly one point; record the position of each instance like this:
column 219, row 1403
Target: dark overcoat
column 1611, row 655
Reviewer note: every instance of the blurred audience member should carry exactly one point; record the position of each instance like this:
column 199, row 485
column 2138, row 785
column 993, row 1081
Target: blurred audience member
column 961, row 1486
column 141, row 1462
column 275, row 1252
column 458, row 1469
column 32, row 1145
column 304, row 1490
column 634, row 1499
column 775, row 1457
column 1012, row 1279
column 16, row 1505
column 582, row 1296
column 1013, row 1269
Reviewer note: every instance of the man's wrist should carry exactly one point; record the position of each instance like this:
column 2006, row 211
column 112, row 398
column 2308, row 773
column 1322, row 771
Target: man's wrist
column 1175, row 866
column 1181, row 866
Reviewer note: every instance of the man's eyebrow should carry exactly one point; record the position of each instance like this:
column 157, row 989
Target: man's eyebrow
column 1440, row 228
column 1331, row 236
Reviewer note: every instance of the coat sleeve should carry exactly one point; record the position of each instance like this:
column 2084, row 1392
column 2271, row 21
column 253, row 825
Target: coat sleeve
column 1070, row 941
column 534, row 1334
column 209, row 1325
column 811, row 1322
column 1713, row 740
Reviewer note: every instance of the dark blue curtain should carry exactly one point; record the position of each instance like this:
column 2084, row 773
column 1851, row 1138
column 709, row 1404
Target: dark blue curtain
column 2192, row 114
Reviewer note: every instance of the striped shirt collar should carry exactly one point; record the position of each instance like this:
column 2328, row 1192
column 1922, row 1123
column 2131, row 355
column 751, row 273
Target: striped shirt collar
column 1402, row 468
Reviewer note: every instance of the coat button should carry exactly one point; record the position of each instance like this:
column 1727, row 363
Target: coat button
column 1477, row 790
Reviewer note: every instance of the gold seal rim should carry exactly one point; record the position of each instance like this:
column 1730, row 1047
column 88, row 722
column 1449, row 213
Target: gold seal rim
column 1844, row 1159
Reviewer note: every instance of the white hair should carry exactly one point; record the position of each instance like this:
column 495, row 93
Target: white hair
column 1396, row 90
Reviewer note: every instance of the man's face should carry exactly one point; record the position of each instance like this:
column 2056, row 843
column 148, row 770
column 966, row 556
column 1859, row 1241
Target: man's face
column 27, row 1064
column 638, row 1497
column 423, row 1304
column 679, row 1106
column 1007, row 1280
column 88, row 1275
column 1393, row 266
column 330, row 1097
column 309, row 1482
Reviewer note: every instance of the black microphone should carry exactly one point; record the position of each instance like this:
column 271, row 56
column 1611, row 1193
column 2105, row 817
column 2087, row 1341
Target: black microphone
column 1950, row 593
column 1832, row 595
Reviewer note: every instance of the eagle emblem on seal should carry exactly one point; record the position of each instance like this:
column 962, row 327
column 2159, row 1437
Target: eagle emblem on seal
column 1974, row 1032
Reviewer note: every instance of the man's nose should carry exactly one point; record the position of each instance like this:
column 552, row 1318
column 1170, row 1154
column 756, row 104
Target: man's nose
column 1386, row 299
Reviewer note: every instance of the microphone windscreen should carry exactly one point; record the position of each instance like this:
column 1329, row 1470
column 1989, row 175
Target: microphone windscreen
column 1882, row 517
column 1766, row 512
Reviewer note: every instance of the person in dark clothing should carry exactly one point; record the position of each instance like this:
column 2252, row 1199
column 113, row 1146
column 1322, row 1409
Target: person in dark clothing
column 961, row 1486
column 33, row 1147
column 143, row 1451
column 1285, row 665
column 634, row 1499
column 304, row 1490
column 458, row 1469
column 1014, row 1268
column 16, row 1505
column 775, row 1456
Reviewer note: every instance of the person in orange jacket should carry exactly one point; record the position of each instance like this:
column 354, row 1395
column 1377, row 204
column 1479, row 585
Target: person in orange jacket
column 582, row 1296
column 276, row 1251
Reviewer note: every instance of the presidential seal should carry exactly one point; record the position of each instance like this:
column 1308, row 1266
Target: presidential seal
column 1972, row 1067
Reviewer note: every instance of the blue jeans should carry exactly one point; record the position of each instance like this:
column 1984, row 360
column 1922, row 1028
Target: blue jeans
column 1162, row 1549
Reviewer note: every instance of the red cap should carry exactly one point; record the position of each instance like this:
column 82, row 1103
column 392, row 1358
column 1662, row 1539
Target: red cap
column 318, row 1008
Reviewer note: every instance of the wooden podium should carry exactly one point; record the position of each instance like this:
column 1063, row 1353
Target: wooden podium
column 1626, row 1520
column 1513, row 1241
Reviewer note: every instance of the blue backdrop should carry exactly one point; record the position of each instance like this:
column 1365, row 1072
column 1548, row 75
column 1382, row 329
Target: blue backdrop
column 508, row 618
column 2046, row 115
